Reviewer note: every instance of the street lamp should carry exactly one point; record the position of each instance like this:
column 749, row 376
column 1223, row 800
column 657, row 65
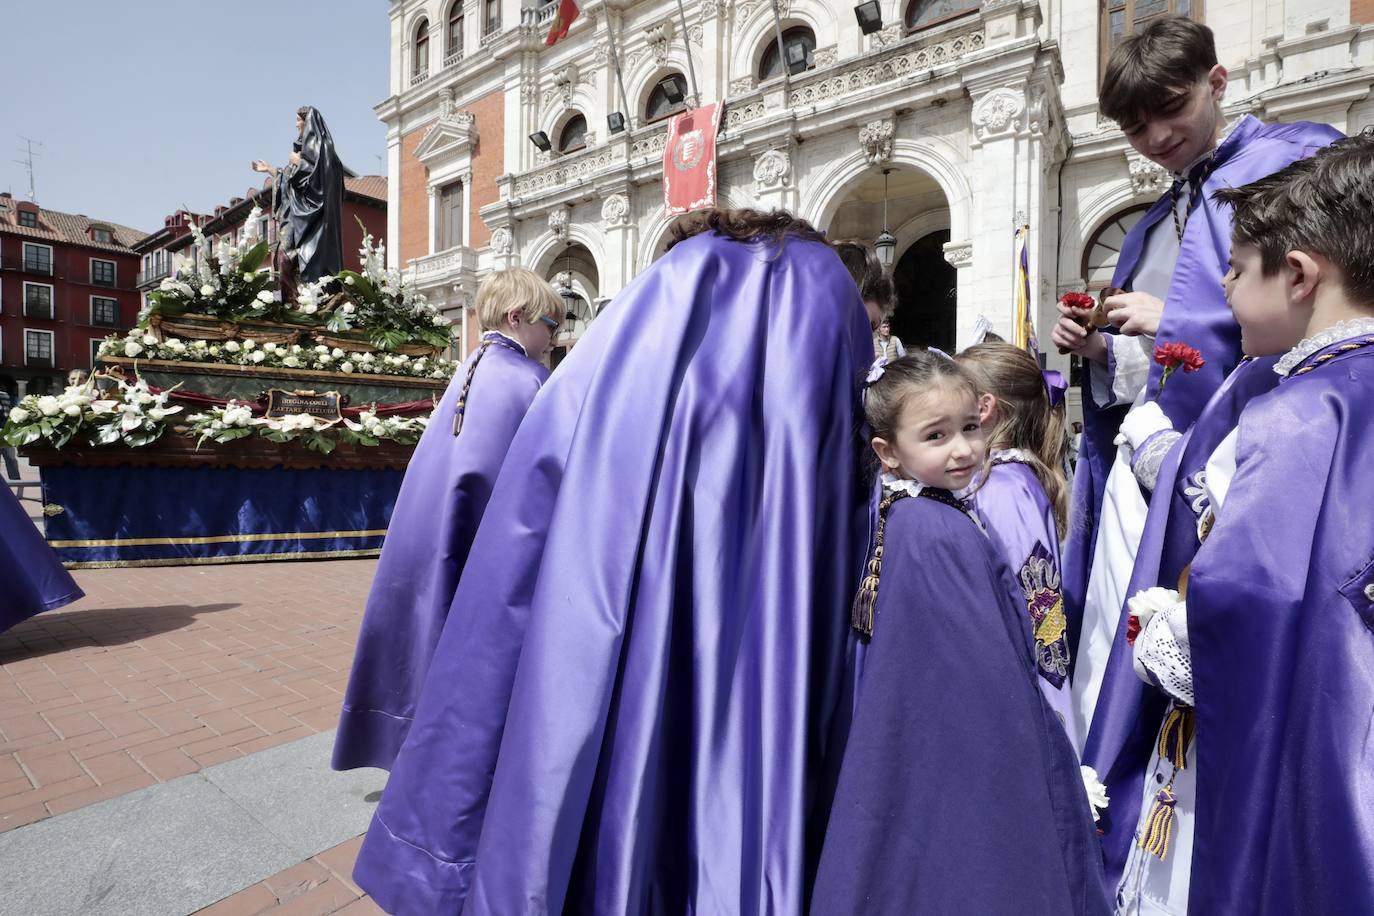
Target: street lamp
column 870, row 17
column 541, row 140
column 615, row 121
column 885, row 245
column 671, row 88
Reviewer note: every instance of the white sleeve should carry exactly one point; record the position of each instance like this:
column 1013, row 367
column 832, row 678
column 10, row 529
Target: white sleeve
column 1161, row 655
column 1126, row 372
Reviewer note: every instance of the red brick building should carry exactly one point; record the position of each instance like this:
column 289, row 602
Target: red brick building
column 364, row 200
column 66, row 281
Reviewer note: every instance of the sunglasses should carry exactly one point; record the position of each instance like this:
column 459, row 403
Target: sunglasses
column 552, row 323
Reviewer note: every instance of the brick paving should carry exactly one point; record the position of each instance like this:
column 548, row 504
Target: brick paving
column 160, row 672
column 317, row 886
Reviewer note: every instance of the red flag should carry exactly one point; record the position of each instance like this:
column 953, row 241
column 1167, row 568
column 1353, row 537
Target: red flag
column 562, row 21
column 689, row 160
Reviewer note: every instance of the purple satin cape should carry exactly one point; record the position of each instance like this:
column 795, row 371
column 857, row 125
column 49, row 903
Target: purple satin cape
column 627, row 709
column 32, row 579
column 959, row 792
column 1281, row 621
column 445, row 491
column 1121, row 742
column 1195, row 313
column 1020, row 520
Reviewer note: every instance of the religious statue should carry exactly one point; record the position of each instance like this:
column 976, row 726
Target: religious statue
column 307, row 203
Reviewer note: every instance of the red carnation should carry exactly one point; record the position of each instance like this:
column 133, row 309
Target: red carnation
column 1132, row 629
column 1174, row 355
column 1079, row 301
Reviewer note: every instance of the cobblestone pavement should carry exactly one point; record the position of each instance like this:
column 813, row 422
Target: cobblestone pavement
column 160, row 672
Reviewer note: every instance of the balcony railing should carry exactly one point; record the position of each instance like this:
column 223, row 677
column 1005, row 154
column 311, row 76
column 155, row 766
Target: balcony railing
column 419, row 77
column 433, row 267
column 154, row 275
column 453, row 57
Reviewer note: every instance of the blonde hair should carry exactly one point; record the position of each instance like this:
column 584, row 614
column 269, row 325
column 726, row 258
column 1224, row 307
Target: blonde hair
column 516, row 288
column 1025, row 419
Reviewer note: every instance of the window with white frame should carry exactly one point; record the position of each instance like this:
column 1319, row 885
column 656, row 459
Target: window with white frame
column 95, row 350
column 450, row 216
column 38, row 258
column 102, row 272
column 37, row 347
column 104, row 311
column 37, row 300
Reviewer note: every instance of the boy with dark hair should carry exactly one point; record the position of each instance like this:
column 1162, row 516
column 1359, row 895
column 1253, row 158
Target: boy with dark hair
column 1165, row 87
column 1273, row 647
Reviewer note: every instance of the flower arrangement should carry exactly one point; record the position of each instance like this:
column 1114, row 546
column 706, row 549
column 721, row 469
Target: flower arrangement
column 223, row 281
column 129, row 413
column 376, row 301
column 1175, row 355
column 248, row 352
column 235, row 420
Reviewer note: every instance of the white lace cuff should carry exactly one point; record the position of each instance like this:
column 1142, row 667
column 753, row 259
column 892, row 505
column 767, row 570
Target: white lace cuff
column 1161, row 655
column 1148, row 459
column 1126, row 372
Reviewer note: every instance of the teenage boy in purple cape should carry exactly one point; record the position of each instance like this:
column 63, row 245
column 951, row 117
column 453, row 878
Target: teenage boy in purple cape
column 631, row 713
column 445, row 492
column 1165, row 88
column 32, row 579
column 1277, row 622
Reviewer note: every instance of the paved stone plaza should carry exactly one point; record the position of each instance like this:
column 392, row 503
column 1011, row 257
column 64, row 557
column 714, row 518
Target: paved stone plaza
column 164, row 744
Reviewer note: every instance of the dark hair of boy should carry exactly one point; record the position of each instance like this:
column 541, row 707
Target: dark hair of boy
column 874, row 283
column 1321, row 205
column 1155, row 68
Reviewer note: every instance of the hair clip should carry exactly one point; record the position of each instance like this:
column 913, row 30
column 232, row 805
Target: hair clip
column 938, row 352
column 875, row 371
column 1055, row 386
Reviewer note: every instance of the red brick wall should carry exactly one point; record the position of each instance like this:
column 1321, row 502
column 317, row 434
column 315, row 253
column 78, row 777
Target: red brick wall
column 414, row 216
column 1361, row 11
column 488, row 160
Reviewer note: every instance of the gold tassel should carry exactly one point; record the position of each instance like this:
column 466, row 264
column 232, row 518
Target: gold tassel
column 1177, row 733
column 1159, row 827
column 866, row 601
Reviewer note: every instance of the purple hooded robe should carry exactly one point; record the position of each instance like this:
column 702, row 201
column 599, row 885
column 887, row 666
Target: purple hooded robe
column 1195, row 313
column 628, row 709
column 445, row 491
column 32, row 579
column 1281, row 622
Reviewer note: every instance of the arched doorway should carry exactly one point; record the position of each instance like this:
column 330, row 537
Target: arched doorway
column 926, row 302
column 574, row 274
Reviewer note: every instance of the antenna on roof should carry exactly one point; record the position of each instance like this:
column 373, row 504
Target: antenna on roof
column 27, row 162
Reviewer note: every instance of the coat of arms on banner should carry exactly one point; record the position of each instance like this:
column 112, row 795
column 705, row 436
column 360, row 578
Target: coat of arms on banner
column 689, row 160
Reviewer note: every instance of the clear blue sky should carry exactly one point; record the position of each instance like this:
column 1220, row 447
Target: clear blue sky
column 143, row 107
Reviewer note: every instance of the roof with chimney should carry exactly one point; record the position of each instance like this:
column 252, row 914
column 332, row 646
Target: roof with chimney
column 69, row 228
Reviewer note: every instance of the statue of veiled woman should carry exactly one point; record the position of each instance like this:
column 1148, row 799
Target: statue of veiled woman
column 308, row 196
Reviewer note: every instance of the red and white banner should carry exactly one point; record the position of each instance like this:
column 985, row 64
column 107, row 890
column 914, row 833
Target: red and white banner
column 562, row 21
column 689, row 160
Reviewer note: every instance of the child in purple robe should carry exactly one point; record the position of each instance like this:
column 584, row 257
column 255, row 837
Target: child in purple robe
column 442, row 499
column 1265, row 651
column 959, row 791
column 1023, row 499
column 1164, row 87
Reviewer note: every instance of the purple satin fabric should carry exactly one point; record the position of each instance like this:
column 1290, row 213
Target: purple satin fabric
column 627, row 709
column 959, row 792
column 1195, row 313
column 445, row 492
column 1020, row 520
column 1281, row 622
column 32, row 579
column 1121, row 742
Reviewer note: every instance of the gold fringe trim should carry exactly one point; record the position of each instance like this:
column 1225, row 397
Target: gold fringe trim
column 1160, row 826
column 219, row 539
column 217, row 561
column 1179, row 727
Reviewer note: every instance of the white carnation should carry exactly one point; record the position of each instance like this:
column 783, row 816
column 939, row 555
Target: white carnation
column 291, row 362
column 1144, row 605
column 1097, row 792
column 132, row 348
column 72, row 410
column 207, row 290
column 347, row 367
column 232, row 346
column 48, row 406
column 265, row 295
column 249, row 343
column 19, row 415
column 336, row 353
column 258, row 356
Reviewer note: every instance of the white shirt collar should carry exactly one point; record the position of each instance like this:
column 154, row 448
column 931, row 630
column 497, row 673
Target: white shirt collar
column 1341, row 330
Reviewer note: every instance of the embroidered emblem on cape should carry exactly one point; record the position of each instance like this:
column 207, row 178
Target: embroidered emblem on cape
column 1040, row 584
column 1195, row 491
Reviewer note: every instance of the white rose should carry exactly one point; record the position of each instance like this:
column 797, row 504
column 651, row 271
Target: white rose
column 249, row 344
column 144, row 398
column 291, row 362
column 439, row 320
column 199, row 345
column 336, row 353
column 1097, row 792
column 375, row 429
column 72, row 410
column 131, row 348
column 232, row 346
column 247, row 275
column 47, row 406
column 347, row 367
column 1144, row 605
column 258, row 356
column 207, row 290
column 265, row 295
column 270, row 347
column 19, row 415
column 214, row 351
column 367, row 358
column 149, row 340
column 349, row 308
column 297, row 348
column 156, row 413
column 321, row 349
column 176, row 346
column 326, row 358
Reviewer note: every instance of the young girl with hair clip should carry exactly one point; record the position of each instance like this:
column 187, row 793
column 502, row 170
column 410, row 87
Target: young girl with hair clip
column 958, row 791
column 1023, row 499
